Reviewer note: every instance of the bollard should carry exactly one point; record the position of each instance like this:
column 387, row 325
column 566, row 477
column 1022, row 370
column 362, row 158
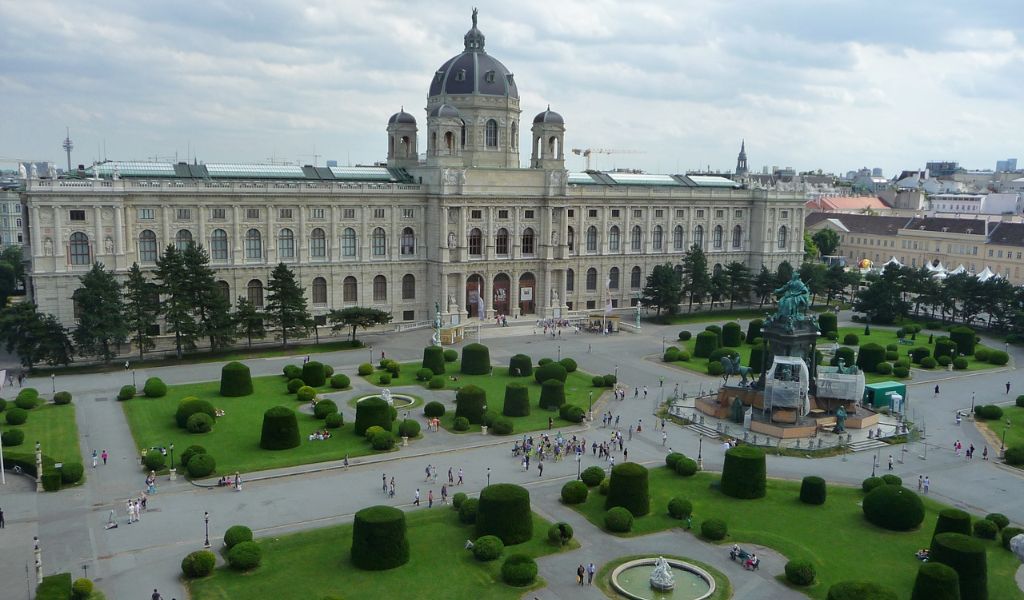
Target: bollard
column 173, row 475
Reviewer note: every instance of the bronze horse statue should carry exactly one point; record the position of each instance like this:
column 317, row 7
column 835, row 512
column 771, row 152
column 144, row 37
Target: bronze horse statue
column 732, row 366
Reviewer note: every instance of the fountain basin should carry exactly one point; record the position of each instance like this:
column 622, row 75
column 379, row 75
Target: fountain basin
column 632, row 580
column 399, row 401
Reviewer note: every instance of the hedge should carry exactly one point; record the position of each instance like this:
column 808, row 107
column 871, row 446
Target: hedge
column 294, row 385
column 409, row 428
column 451, row 356
column 707, row 342
column 569, row 364
column 827, row 322
column 382, row 440
column 457, row 499
column 51, row 479
column 743, row 473
column 201, row 465
column 952, row 520
column 684, row 336
column 12, row 437
column 424, row 374
column 560, row 533
column 890, row 479
column 618, row 519
column 199, row 423
column 966, row 556
column 800, row 572
column 687, row 467
column 944, row 347
column 189, row 406
column 717, row 330
column 985, row 529
column 305, row 394
column 884, row 368
column 433, row 359
column 592, row 476
column 754, row 330
column 71, row 472
column 378, row 539
column 964, row 338
column 517, row 400
column 628, row 488
column 988, row 411
column 893, row 507
column 237, row 534
column 999, row 519
column 847, row 355
column 487, row 548
column 928, row 363
column 813, row 490
column 460, row 424
column 365, row 369
column 1007, row 534
column 574, row 492
column 552, row 393
column 16, row 415
column 860, row 590
column 519, row 570
column 433, row 409
column 998, row 357
column 1014, row 456
column 235, row 380
column 715, row 368
column 61, row 398
column 476, row 360
column 759, row 354
column 551, row 370
column 732, row 335
column 370, row 412
column 154, row 460
column 198, row 564
column 340, row 381
column 679, row 508
column 324, row 408
column 520, row 365
column 714, row 529
column 314, row 374
column 189, row 452
column 468, row 510
column 437, row 383
column 26, row 402
column 851, row 339
column 470, row 401
column 25, row 393
column 901, row 372
column 502, row 426
column 280, row 429
column 936, row 581
column 504, row 511
column 3, row 404
column 82, row 589
column 869, row 356
column 55, row 587
column 334, row 421
column 671, row 354
column 920, row 353
column 245, row 556
column 292, row 372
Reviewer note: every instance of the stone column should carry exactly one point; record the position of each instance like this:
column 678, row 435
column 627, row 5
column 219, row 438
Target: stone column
column 602, row 235
column 270, row 248
column 99, row 247
column 513, row 294
column 463, row 248
column 59, row 247
column 201, row 234
column 37, row 233
column 165, row 211
column 488, row 295
column 460, row 296
column 515, row 238
column 236, row 234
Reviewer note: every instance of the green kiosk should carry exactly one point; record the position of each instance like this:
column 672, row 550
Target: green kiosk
column 885, row 394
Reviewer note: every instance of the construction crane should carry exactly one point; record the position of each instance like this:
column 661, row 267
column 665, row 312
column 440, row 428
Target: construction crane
column 586, row 152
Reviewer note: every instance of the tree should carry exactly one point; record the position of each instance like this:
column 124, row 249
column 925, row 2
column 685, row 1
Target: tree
column 248, row 320
column 738, row 280
column 696, row 281
column 663, row 289
column 810, row 248
column 12, row 255
column 141, row 308
column 34, row 337
column 764, row 283
column 827, row 241
column 177, row 302
column 882, row 301
column 783, row 273
column 719, row 287
column 833, row 283
column 286, row 304
column 101, row 324
column 8, row 283
column 357, row 316
column 813, row 276
column 211, row 307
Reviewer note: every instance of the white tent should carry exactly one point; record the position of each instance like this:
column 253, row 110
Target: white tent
column 892, row 261
column 985, row 275
column 960, row 269
column 936, row 268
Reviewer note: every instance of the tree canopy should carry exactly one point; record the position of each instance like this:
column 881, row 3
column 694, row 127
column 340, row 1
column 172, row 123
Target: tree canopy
column 663, row 289
column 286, row 304
column 358, row 316
column 101, row 323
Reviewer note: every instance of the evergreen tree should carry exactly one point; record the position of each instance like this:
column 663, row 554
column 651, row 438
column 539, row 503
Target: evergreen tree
column 211, row 307
column 827, row 241
column 719, row 286
column 696, row 281
column 663, row 289
column 882, row 301
column 833, row 282
column 813, row 276
column 141, row 308
column 810, row 248
column 101, row 324
column 34, row 337
column 12, row 255
column 738, row 280
column 177, row 301
column 248, row 320
column 286, row 304
column 763, row 285
column 783, row 273
column 8, row 282
column 357, row 316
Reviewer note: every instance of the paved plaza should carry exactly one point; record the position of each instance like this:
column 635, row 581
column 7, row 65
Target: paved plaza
column 131, row 560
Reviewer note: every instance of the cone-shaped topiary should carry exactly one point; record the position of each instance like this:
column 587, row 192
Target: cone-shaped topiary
column 936, row 581
column 235, row 380
column 759, row 354
column 707, row 342
column 552, row 394
column 551, row 370
column 952, row 520
column 754, row 330
column 378, row 539
column 504, row 511
column 280, row 429
column 517, row 400
column 470, row 402
column 964, row 338
column 520, row 365
column 732, row 335
column 433, row 359
column 314, row 374
column 860, row 590
column 627, row 488
column 370, row 412
column 812, row 490
column 944, row 347
column 893, row 507
column 827, row 322
column 869, row 356
column 967, row 557
column 743, row 474
column 476, row 360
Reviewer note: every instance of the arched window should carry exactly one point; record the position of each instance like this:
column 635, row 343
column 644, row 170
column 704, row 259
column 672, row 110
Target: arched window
column 433, row 141
column 348, row 242
column 147, row 246
column 717, row 270
column 463, row 133
column 634, row 278
column 286, row 243
column 656, row 237
column 678, row 240
column 449, row 142
column 253, row 245
column 317, row 243
column 491, row 133
column 571, row 242
column 592, row 239
column 350, row 290
column 501, row 242
column 380, row 289
column 319, row 290
column 613, row 239
column 408, row 242
column 591, row 279
column 737, row 236
column 475, row 242
column 613, row 278
column 409, row 287
column 182, row 240
column 79, row 249
column 379, row 242
column 698, row 236
column 716, row 237
column 515, row 134
column 570, row 280
column 637, row 239
column 528, row 241
column 224, row 289
column 254, row 292
column 219, row 245
column 782, row 237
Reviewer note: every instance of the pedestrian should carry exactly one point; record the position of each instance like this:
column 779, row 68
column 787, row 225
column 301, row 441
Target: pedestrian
column 631, row 432
column 416, row 502
column 612, row 460
column 391, row 488
column 238, row 482
column 956, row 447
column 579, row 574
column 433, row 474
column 636, row 393
column 625, row 454
column 1, row 518
column 664, row 438
column 936, row 390
column 984, row 453
column 104, row 456
column 927, row 484
column 639, row 425
column 156, row 594
column 645, row 392
column 890, row 462
column 345, row 463
column 550, row 423
column 540, row 468
column 1007, row 388
column 451, row 480
column 384, row 482
column 617, row 420
column 430, row 499
column 591, row 569
column 94, row 459
column 427, row 471
column 444, row 494
column 920, row 482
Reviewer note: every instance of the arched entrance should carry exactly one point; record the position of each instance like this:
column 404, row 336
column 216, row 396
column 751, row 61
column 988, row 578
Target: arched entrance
column 475, row 297
column 527, row 294
column 501, row 286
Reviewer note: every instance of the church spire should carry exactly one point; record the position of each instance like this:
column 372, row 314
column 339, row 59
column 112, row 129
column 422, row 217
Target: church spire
column 741, row 160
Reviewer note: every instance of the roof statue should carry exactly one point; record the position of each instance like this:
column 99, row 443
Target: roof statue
column 474, row 16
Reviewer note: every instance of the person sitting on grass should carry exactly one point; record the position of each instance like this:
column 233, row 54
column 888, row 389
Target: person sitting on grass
column 923, row 554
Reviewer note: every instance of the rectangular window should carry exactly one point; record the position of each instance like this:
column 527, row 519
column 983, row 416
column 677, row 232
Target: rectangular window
column 615, row 302
column 77, row 215
column 637, row 213
column 252, row 213
column 284, row 213
column 592, row 213
column 408, row 213
column 681, row 213
column 217, row 213
column 184, row 214
column 348, row 213
column 503, row 214
column 700, row 213
column 591, row 304
column 476, row 214
column 784, row 214
column 739, row 214
column 378, row 213
column 719, row 214
column 658, row 214
column 527, row 214
column 615, row 213
column 572, row 213
column 320, row 320
column 314, row 213
column 408, row 315
column 146, row 214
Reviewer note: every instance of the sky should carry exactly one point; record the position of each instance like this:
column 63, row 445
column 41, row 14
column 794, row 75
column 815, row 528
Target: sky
column 811, row 84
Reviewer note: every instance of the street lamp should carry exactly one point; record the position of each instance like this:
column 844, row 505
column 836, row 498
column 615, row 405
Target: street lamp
column 700, row 453
column 559, row 352
column 972, row 403
column 663, row 344
column 134, row 385
column 172, row 454
column 590, row 401
column 53, row 383
column 1002, row 443
column 616, row 373
column 578, row 462
column 206, row 520
column 874, row 464
column 488, row 476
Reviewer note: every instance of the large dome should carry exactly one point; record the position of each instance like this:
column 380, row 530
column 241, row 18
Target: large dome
column 473, row 72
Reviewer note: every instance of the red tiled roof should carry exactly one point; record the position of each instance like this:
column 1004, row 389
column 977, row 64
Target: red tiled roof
column 848, row 203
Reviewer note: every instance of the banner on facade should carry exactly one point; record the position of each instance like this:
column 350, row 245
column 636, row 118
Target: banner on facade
column 526, row 294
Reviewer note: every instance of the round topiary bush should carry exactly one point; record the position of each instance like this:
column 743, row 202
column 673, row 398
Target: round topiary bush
column 127, row 392
column 560, row 533
column 458, row 499
column 305, row 394
column 717, row 330
column 569, row 364
column 487, row 548
column 1013, row 456
column 314, row 374
column 1007, row 534
column 154, row 388
column 378, row 539
column 827, row 321
column 687, row 467
column 460, row 424
column 760, row 358
column 883, row 368
column 198, row 564
column 3, row 405
column 199, row 423
column 235, row 380
column 869, row 356
column 618, row 520
column 433, row 359
column 936, row 581
column 999, row 519
column 672, row 458
column 189, row 452
column 382, row 440
column 552, row 393
column 502, row 426
column 328, row 371
column 334, row 421
column 81, row 589
column 944, row 347
column 12, row 437
column 715, row 368
column 928, row 363
column 424, row 374
column 520, row 365
column 671, row 354
column 610, row 380
column 574, row 492
column 517, row 400
column 901, row 372
column 717, row 355
column 679, row 508
column 890, row 479
column 967, row 557
column 324, row 408
column 981, row 353
column 985, row 529
column 476, row 359
column 519, row 570
column 800, row 572
column 845, row 354
column 154, row 460
column 988, row 412
column 732, row 335
column 628, row 488
column 714, row 529
column 201, row 465
column 960, row 363
column 550, row 371
column 409, row 428
column 998, row 357
column 294, row 385
column 16, row 415
column 451, row 356
column 292, row 372
column 893, row 507
column 813, row 490
column 468, row 510
column 433, row 409
column 26, row 402
column 706, row 343
column 952, row 520
column 280, row 429
column 365, row 369
column 592, row 476
column 743, row 473
column 470, row 402
column 62, row 398
column 245, row 556
column 32, row 393
column 545, row 361
column 236, row 534
column 860, row 590
column 370, row 412
column 437, row 383
column 50, row 480
column 71, row 473
column 684, row 336
column 851, row 339
column 964, row 338
column 504, row 511
column 340, row 381
column 189, row 406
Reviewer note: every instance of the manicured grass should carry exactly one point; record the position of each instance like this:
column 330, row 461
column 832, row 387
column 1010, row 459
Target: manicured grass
column 1014, row 433
column 314, row 564
column 235, row 440
column 723, row 587
column 835, row 536
column 577, row 389
column 54, row 428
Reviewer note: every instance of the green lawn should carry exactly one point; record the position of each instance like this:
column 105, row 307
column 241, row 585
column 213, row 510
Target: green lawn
column 835, row 536
column 577, row 391
column 234, row 441
column 315, row 564
column 54, row 428
column 1014, row 433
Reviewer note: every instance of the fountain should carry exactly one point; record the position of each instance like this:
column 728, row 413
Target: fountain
column 398, row 401
column 662, row 579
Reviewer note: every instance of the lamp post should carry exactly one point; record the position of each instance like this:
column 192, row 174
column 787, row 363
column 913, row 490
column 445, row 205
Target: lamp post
column 972, row 403
column 488, row 476
column 700, row 453
column 53, row 383
column 559, row 352
column 663, row 344
column 134, row 385
column 1002, row 443
column 874, row 464
column 39, row 468
column 578, row 462
column 616, row 373
column 38, row 555
column 172, row 455
column 206, row 521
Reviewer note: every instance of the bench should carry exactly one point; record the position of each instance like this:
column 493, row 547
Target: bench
column 906, row 342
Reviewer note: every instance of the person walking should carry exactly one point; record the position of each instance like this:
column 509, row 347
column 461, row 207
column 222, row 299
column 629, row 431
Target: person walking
column 95, row 459
column 625, row 454
column 238, row 482
column 427, row 471
column 927, row 484
column 984, row 453
column 920, row 482
column 384, row 482
column 936, row 390
column 391, row 488
column 104, row 456
column 451, row 479
column 156, row 595
column 460, row 476
column 890, row 462
column 1, row 518
column 430, row 498
column 444, row 494
column 550, row 423
column 540, row 468
column 591, row 569
column 664, row 437
column 580, row 571
column 416, row 502
column 1007, row 388
column 631, row 432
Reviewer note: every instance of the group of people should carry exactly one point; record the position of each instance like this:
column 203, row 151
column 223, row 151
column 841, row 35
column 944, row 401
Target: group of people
column 750, row 559
column 319, row 434
column 96, row 457
column 585, row 573
column 135, row 507
column 958, row 447
column 433, row 424
column 388, row 485
column 233, row 482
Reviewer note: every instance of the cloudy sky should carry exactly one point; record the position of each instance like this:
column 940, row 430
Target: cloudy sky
column 808, row 83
